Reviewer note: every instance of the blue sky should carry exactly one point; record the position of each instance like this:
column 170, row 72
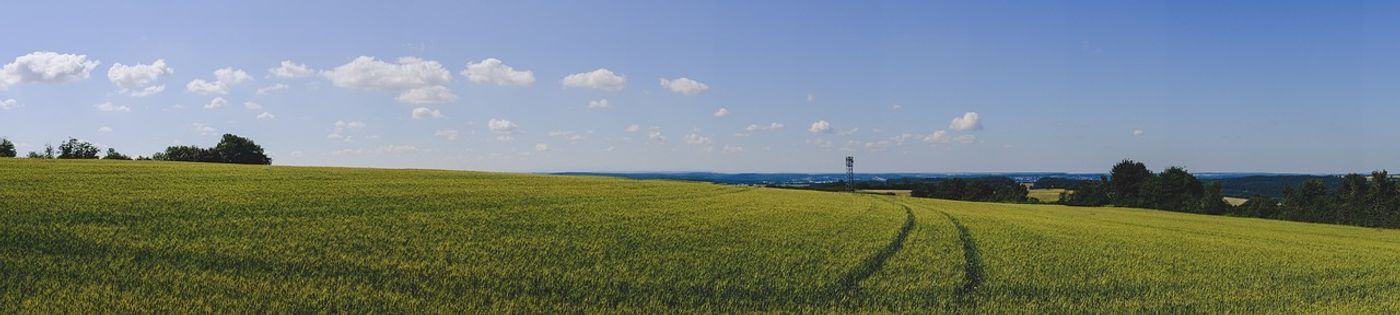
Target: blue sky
column 1055, row 86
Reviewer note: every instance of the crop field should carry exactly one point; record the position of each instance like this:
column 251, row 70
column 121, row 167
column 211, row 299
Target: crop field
column 1049, row 195
column 142, row 236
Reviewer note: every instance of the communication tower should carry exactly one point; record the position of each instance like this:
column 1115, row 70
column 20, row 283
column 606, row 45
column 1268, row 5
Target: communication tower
column 851, row 173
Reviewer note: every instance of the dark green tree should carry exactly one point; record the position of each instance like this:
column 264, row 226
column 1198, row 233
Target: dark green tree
column 240, row 150
column 1087, row 193
column 113, row 155
column 76, row 149
column 1126, row 183
column 7, row 148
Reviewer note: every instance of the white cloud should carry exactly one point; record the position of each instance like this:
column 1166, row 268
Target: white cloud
column 885, row 143
column 493, row 71
column 684, row 86
column 602, row 79
column 770, row 126
column 216, row 103
column 252, row 106
column 940, row 136
column 203, row 129
column 572, row 137
column 139, row 80
column 446, row 134
column 46, row 67
column 104, row 129
column 8, row 103
column 1137, row 132
column 426, row 113
column 291, row 70
column 632, row 128
column 601, row 103
column 504, row 129
column 821, row 126
column 968, row 122
column 341, row 124
column 108, row 107
column 541, row 147
column 695, row 138
column 266, row 116
column 418, row 80
column 224, row 80
column 427, row 95
column 722, row 112
column 896, row 107
column 655, row 135
column 733, row 149
column 811, row 98
column 272, row 88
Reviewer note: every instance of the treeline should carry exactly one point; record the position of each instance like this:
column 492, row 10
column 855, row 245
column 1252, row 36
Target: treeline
column 996, row 189
column 1359, row 200
column 230, row 149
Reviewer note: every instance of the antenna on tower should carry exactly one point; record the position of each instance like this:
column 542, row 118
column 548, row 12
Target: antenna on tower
column 850, row 173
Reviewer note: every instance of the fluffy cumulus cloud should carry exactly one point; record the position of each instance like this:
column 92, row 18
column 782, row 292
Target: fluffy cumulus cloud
column 632, row 128
column 695, row 138
column 821, row 126
column 266, row 116
column 541, row 147
column 8, row 104
column 601, row 79
column 417, row 80
column 140, row 79
column 505, row 130
column 216, row 103
column 252, row 106
column 108, row 107
column 598, row 104
column 427, row 95
column 224, row 80
column 940, row 136
column 967, row 122
column 426, row 113
column 290, row 70
column 493, row 71
column 654, row 135
column 46, row 67
column 104, row 129
column 449, row 134
column 1137, row 132
column 204, row 130
column 341, row 126
column 770, row 126
column 272, row 89
column 722, row 112
column 684, row 86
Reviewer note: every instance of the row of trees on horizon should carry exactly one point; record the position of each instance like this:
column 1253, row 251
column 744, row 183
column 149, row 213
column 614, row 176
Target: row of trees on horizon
column 230, row 149
column 1372, row 201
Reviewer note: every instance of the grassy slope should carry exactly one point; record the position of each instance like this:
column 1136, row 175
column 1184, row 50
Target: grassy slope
column 172, row 236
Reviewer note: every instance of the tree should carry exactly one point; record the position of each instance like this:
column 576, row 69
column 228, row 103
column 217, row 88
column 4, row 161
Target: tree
column 1259, row 206
column 1087, row 193
column 113, row 155
column 47, row 154
column 75, row 149
column 7, row 148
column 1174, row 189
column 186, row 153
column 240, row 150
column 1126, row 182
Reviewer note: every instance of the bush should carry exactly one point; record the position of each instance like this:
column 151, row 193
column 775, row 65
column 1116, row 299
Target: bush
column 113, row 155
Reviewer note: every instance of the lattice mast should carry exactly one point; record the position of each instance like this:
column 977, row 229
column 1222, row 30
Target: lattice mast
column 850, row 173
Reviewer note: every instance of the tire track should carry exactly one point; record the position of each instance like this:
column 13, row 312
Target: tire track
column 972, row 265
column 874, row 263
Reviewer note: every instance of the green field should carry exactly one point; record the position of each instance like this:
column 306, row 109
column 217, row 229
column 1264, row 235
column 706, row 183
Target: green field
column 79, row 236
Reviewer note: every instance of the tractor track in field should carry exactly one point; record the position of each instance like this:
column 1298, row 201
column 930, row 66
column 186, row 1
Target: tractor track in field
column 972, row 265
column 851, row 281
